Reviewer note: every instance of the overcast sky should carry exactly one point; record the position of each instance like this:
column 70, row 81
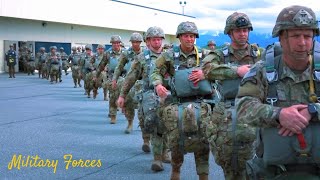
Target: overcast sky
column 211, row 14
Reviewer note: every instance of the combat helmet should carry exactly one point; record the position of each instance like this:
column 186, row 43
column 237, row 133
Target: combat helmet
column 88, row 47
column 62, row 48
column 154, row 32
column 187, row 27
column 100, row 46
column 296, row 17
column 115, row 38
column 136, row 37
column 211, row 42
column 53, row 47
column 74, row 48
column 237, row 20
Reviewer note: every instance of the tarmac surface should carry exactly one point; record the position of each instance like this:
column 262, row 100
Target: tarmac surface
column 57, row 126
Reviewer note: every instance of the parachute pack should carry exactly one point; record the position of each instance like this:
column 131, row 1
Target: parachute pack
column 297, row 153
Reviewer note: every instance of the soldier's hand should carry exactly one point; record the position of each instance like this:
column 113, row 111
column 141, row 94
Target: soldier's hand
column 291, row 118
column 196, row 76
column 120, row 102
column 161, row 91
column 242, row 70
column 114, row 84
column 285, row 132
column 305, row 113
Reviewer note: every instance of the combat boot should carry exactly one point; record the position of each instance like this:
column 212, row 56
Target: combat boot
column 157, row 163
column 146, row 145
column 175, row 174
column 166, row 156
column 95, row 92
column 203, row 177
column 129, row 128
column 113, row 119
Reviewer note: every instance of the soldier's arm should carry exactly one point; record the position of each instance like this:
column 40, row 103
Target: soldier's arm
column 251, row 97
column 134, row 74
column 160, row 70
column 103, row 63
column 122, row 62
column 214, row 68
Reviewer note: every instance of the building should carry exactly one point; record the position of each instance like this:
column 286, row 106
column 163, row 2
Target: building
column 72, row 22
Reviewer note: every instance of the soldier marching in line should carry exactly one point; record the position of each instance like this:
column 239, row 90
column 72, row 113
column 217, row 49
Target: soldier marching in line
column 11, row 58
column 64, row 58
column 141, row 68
column 74, row 59
column 97, row 81
column 41, row 63
column 123, row 67
column 228, row 66
column 54, row 62
column 188, row 108
column 86, row 66
column 280, row 96
column 111, row 59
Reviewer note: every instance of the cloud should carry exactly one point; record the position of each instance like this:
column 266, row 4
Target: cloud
column 211, row 15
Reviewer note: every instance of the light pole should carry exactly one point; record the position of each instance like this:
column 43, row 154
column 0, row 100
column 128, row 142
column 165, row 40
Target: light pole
column 183, row 4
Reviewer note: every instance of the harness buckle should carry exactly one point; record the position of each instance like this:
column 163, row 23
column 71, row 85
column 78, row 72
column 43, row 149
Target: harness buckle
column 272, row 76
column 272, row 101
column 316, row 75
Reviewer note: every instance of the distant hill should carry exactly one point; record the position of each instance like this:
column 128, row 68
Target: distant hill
column 262, row 39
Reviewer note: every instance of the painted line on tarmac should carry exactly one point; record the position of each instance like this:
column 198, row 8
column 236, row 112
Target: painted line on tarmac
column 25, row 97
column 115, row 164
column 42, row 117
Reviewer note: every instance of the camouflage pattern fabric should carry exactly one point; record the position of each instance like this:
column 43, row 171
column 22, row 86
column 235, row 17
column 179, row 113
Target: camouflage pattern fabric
column 219, row 131
column 164, row 66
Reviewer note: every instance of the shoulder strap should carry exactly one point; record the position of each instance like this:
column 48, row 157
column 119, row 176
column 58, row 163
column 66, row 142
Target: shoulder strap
column 146, row 53
column 225, row 51
column 316, row 68
column 176, row 55
column 272, row 73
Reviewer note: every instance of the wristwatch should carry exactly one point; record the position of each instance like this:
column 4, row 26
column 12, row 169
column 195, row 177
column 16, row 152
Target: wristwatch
column 312, row 108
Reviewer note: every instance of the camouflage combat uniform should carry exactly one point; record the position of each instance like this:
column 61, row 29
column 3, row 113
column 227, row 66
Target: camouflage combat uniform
column 111, row 60
column 142, row 68
column 23, row 56
column 64, row 59
column 271, row 85
column 54, row 62
column 86, row 66
column 177, row 114
column 221, row 65
column 123, row 67
column 11, row 58
column 41, row 63
column 31, row 64
column 74, row 59
column 97, row 83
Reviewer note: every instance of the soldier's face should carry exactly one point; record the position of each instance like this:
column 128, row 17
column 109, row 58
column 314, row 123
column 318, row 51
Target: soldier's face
column 211, row 46
column 88, row 51
column 155, row 42
column 53, row 51
column 239, row 36
column 187, row 40
column 297, row 43
column 136, row 45
column 100, row 50
column 116, row 46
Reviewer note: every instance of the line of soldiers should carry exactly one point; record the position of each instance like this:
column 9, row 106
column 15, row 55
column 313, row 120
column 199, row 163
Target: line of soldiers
column 256, row 110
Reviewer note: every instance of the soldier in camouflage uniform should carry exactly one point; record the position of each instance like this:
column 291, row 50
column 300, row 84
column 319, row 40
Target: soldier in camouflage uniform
column 74, row 59
column 97, row 81
column 11, row 58
column 111, row 59
column 183, row 118
column 54, row 61
column 141, row 68
column 41, row 63
column 280, row 96
column 64, row 58
column 23, row 56
column 122, row 69
column 86, row 66
column 228, row 66
column 211, row 45
column 31, row 65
